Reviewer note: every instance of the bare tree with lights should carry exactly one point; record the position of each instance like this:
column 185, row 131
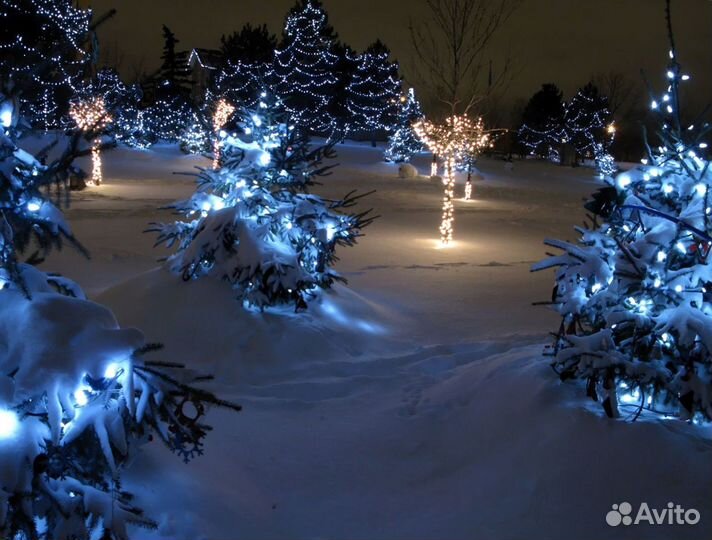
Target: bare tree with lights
column 452, row 49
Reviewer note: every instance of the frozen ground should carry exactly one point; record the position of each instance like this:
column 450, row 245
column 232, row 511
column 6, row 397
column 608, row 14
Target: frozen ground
column 412, row 405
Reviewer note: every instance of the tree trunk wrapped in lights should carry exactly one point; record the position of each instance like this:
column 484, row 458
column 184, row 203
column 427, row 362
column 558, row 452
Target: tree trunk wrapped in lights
column 223, row 111
column 458, row 136
column 91, row 115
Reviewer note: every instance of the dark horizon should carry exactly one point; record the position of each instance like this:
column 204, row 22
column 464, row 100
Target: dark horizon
column 550, row 40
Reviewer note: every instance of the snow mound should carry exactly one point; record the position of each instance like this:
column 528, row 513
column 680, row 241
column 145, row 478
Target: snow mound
column 406, row 170
column 204, row 326
column 438, row 442
column 45, row 356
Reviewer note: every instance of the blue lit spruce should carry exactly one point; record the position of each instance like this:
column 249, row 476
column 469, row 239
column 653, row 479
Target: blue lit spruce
column 404, row 142
column 373, row 94
column 635, row 292
column 77, row 405
column 252, row 222
column 305, row 67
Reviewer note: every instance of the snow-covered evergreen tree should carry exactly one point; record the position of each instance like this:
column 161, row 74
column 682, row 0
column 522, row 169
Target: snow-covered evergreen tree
column 635, row 293
column 77, row 397
column 47, row 33
column 304, row 66
column 373, row 93
column 404, row 141
column 252, row 222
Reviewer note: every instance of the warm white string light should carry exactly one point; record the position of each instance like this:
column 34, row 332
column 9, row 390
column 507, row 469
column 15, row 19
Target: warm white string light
column 223, row 111
column 91, row 116
column 458, row 137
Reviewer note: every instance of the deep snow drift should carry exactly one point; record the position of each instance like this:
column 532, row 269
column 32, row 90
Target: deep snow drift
column 413, row 404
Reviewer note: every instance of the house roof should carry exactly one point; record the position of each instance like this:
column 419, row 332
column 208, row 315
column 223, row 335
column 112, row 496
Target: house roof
column 205, row 58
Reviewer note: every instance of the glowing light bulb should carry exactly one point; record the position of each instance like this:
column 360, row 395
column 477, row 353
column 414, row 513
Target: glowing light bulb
column 703, row 145
column 596, row 287
column 112, row 370
column 9, row 424
column 33, row 206
column 701, row 189
column 6, row 118
column 667, row 189
column 468, row 191
column 80, row 397
column 678, row 288
column 330, row 232
column 624, row 181
column 265, row 159
column 256, row 120
column 662, row 256
column 657, row 283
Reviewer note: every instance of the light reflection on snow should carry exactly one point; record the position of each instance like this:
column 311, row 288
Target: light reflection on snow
column 9, row 424
column 338, row 316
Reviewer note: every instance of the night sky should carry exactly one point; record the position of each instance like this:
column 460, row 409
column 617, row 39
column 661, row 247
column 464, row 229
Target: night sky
column 560, row 41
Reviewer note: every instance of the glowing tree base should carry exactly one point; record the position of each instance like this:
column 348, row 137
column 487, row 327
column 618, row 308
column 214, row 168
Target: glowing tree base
column 223, row 111
column 468, row 190
column 97, row 175
column 447, row 223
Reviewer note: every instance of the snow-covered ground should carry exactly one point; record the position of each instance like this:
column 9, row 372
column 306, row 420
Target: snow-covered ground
column 414, row 404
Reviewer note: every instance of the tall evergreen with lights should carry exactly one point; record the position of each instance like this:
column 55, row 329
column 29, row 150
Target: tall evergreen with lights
column 586, row 119
column 252, row 222
column 42, row 42
column 304, row 67
column 247, row 65
column 404, row 141
column 542, row 131
column 635, row 293
column 347, row 64
column 171, row 112
column 373, row 93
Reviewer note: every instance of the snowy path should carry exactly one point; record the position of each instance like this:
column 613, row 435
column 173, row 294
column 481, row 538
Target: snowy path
column 412, row 405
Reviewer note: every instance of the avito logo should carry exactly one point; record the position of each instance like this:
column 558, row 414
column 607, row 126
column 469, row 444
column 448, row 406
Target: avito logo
column 673, row 514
